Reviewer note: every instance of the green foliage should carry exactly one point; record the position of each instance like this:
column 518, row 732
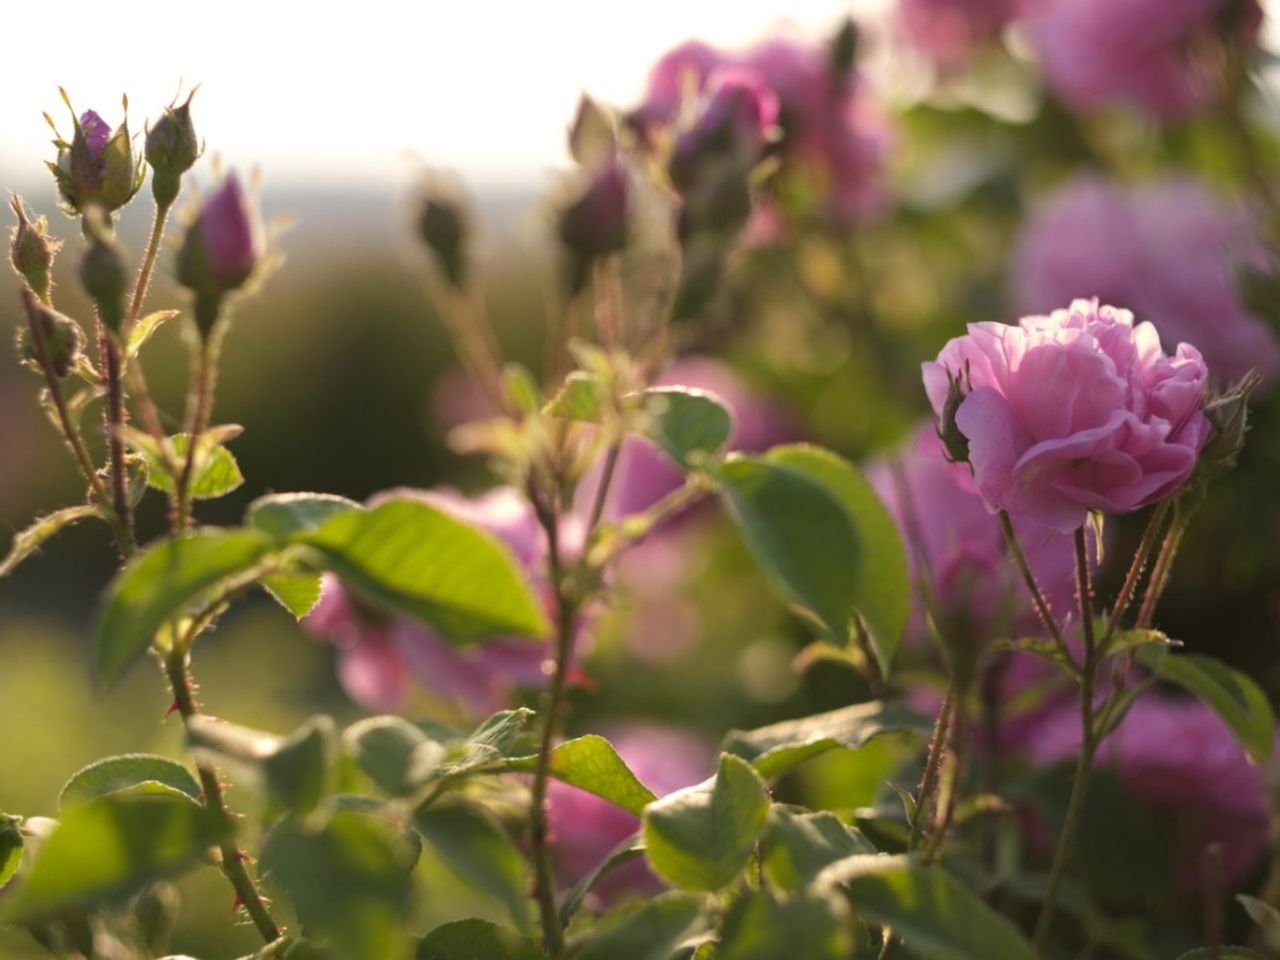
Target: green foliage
column 106, row 849
column 590, row 763
column 396, row 755
column 1233, row 696
column 797, row 846
column 686, row 422
column 700, row 838
column 630, row 849
column 652, row 932
column 759, row 927
column 348, row 879
column 476, row 940
column 480, row 852
column 11, row 844
column 419, row 560
column 159, row 583
column 296, row 592
column 28, row 541
column 934, row 913
column 490, row 743
column 296, row 769
column 131, row 773
column 799, row 534
column 777, row 748
column 214, row 474
column 881, row 585
column 285, row 515
column 145, row 328
column 1223, row 953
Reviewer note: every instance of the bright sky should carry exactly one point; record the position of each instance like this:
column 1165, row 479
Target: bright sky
column 353, row 93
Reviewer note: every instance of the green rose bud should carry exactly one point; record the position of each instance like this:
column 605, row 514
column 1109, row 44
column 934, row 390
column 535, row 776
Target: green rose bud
column 103, row 273
column 97, row 166
column 32, row 250
column 61, row 337
column 172, row 148
column 443, row 228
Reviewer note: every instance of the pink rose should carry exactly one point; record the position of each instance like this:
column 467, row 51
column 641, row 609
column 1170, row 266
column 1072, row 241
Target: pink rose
column 948, row 31
column 1154, row 54
column 1169, row 249
column 1076, row 411
column 1177, row 759
column 380, row 655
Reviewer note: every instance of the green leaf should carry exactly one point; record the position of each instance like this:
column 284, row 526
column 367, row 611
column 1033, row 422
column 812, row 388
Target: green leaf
column 934, row 913
column 215, row 472
column 142, row 772
column 775, row 749
column 476, row 940
column 107, row 849
column 797, row 846
column 396, row 755
column 285, row 515
column 480, row 852
column 630, row 849
column 489, row 743
column 1233, row 696
column 881, row 584
column 143, row 330
column 590, row 763
column 31, row 539
column 417, row 559
column 295, row 769
column 1124, row 640
column 700, row 838
column 759, row 927
column 577, row 399
column 800, row 536
column 685, row 421
column 1224, row 953
column 158, row 584
column 654, row 931
column 296, row 592
column 348, row 879
column 11, row 844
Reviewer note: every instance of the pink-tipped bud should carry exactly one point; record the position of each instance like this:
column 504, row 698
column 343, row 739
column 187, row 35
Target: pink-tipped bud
column 98, row 167
column 595, row 225
column 737, row 117
column 221, row 247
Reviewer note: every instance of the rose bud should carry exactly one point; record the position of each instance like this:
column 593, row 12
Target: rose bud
column 443, row 228
column 62, row 338
column 32, row 250
column 736, row 119
column 172, row 148
column 103, row 273
column 97, row 166
column 595, row 225
column 220, row 249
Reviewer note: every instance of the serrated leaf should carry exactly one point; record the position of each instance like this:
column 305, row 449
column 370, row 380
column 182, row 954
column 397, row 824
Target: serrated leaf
column 577, row 399
column 480, row 852
column 214, row 474
column 476, row 939
column 700, row 838
column 590, row 763
column 131, row 772
column 1234, row 697
column 396, row 755
column 685, row 421
column 285, row 515
column 759, row 927
column 654, row 931
column 144, row 329
column 158, row 584
column 797, row 846
column 934, row 913
column 348, row 880
column 800, row 536
column 775, row 749
column 418, row 560
column 881, row 583
column 30, row 540
column 105, row 850
column 296, row 592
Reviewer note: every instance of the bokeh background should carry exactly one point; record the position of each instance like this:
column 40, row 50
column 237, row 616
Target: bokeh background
column 341, row 373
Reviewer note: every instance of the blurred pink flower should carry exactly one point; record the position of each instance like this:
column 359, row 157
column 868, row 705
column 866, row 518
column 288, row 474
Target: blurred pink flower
column 832, row 132
column 1168, row 249
column 222, row 245
column 1076, row 411
column 1153, row 54
column 948, row 31
column 379, row 654
column 737, row 115
column 952, row 537
column 585, row 829
column 1177, row 759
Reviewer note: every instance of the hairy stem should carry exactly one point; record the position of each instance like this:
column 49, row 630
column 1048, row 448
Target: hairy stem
column 1163, row 568
column 1140, row 559
column 114, row 418
column 144, row 272
column 199, row 409
column 1088, row 744
column 233, row 859
column 1037, row 596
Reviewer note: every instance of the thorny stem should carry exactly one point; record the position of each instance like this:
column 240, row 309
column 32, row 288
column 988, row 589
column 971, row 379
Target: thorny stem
column 199, row 408
column 1131, row 579
column 1088, row 744
column 233, row 859
column 1037, row 596
column 1163, row 567
column 114, row 417
column 144, row 272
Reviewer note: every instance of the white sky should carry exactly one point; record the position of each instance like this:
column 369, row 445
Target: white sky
column 351, row 93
